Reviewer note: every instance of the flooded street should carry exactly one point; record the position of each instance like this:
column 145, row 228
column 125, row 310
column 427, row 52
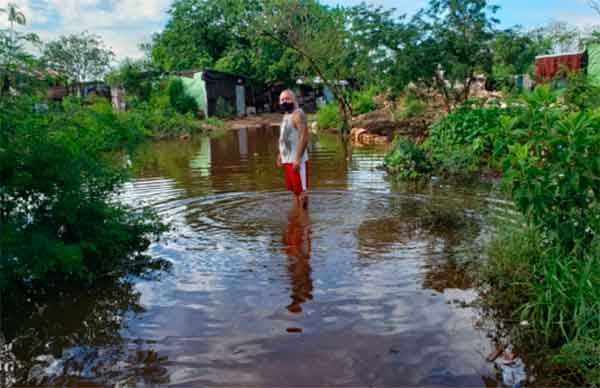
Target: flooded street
column 372, row 286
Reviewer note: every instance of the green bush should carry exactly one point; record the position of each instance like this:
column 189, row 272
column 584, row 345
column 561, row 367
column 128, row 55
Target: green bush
column 508, row 269
column 130, row 76
column 411, row 106
column 329, row 117
column 161, row 123
column 414, row 108
column 551, row 171
column 213, row 123
column 552, row 176
column 580, row 93
column 179, row 100
column 466, row 125
column 158, row 117
column 364, row 101
column 98, row 116
column 59, row 217
column 407, row 160
column 470, row 137
column 460, row 162
column 555, row 292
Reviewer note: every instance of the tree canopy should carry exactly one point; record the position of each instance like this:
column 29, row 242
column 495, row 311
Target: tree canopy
column 79, row 57
column 16, row 62
column 442, row 48
column 213, row 34
column 275, row 40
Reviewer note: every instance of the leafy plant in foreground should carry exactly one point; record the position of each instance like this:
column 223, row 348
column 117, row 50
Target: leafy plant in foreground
column 407, row 160
column 59, row 217
column 551, row 172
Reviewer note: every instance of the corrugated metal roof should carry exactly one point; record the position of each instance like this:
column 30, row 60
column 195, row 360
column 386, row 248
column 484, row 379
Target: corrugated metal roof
column 559, row 55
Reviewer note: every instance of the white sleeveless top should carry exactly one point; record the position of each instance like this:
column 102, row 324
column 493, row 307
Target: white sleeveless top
column 289, row 137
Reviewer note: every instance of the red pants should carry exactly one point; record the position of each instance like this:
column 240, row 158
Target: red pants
column 296, row 181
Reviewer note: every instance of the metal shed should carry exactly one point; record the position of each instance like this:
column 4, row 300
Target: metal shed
column 230, row 88
column 548, row 67
column 216, row 92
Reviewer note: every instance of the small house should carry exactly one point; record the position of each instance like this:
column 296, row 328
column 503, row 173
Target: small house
column 547, row 67
column 314, row 92
column 311, row 93
column 81, row 89
column 217, row 93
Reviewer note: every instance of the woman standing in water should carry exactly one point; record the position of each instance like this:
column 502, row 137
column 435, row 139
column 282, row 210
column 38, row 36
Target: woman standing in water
column 293, row 147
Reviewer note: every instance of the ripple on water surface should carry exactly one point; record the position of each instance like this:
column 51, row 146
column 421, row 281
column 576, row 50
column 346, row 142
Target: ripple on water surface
column 361, row 289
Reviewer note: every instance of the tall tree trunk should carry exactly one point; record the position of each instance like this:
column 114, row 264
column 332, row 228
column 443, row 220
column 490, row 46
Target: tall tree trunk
column 346, row 116
column 4, row 85
column 441, row 87
column 467, row 89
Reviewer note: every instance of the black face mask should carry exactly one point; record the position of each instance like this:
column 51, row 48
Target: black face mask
column 287, row 107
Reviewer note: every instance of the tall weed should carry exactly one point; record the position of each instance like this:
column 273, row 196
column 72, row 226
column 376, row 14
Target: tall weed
column 329, row 117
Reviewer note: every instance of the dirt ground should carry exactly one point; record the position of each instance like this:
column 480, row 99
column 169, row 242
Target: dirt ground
column 256, row 121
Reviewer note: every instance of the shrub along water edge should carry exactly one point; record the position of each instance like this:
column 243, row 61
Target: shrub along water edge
column 547, row 145
column 59, row 218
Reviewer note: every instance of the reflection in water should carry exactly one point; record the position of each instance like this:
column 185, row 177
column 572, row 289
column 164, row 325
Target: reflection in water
column 243, row 142
column 297, row 247
column 73, row 335
column 202, row 160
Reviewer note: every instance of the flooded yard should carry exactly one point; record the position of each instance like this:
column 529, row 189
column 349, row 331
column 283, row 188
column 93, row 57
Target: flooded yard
column 371, row 286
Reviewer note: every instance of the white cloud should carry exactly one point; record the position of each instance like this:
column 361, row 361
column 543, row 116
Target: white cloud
column 577, row 19
column 123, row 24
column 32, row 13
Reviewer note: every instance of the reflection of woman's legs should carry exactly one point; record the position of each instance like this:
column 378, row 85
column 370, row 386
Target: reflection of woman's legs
column 297, row 248
column 297, row 201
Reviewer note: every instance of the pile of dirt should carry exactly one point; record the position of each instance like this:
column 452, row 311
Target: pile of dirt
column 382, row 123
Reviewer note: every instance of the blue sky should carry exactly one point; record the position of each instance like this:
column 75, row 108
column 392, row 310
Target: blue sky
column 125, row 23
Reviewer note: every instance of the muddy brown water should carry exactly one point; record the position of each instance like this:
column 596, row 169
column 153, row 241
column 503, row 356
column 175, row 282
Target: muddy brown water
column 373, row 285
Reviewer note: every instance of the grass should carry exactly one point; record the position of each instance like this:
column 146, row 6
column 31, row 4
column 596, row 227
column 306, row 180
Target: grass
column 557, row 294
column 410, row 107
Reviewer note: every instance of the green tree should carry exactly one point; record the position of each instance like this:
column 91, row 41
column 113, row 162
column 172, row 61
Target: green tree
column 209, row 34
column 199, row 33
column 134, row 76
column 16, row 64
column 78, row 57
column 15, row 16
column 182, row 102
column 456, row 37
column 375, row 35
column 318, row 34
column 562, row 37
column 514, row 52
